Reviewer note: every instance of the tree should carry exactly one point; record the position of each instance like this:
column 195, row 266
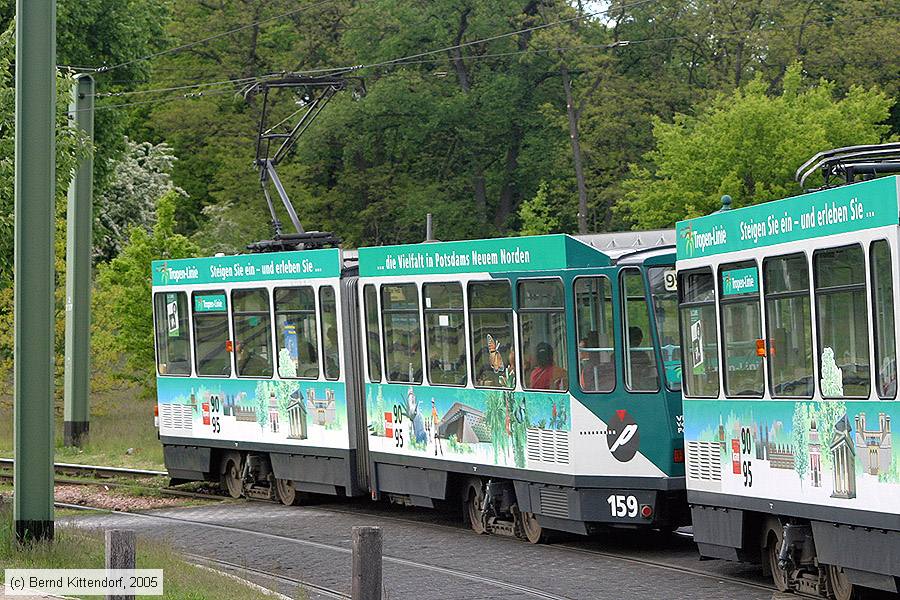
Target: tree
column 800, row 439
column 747, row 144
column 122, row 327
column 140, row 177
column 94, row 33
column 540, row 214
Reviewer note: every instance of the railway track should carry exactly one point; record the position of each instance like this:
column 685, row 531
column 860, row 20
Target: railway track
column 87, row 475
column 565, row 547
column 276, row 578
column 111, row 472
column 489, row 581
column 96, row 470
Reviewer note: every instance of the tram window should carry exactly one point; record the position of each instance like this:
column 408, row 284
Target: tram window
column 402, row 337
column 596, row 336
column 788, row 326
column 491, row 322
column 445, row 336
column 331, row 353
column 883, row 311
column 173, row 347
column 663, row 294
column 840, row 278
column 373, row 338
column 295, row 333
column 211, row 334
column 542, row 335
column 640, row 361
column 741, row 327
column 700, row 370
column 252, row 332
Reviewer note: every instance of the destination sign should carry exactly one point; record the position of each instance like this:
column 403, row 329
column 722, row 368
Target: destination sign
column 305, row 264
column 843, row 209
column 534, row 253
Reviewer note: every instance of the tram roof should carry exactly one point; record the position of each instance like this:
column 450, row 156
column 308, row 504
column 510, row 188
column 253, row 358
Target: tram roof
column 504, row 255
column 500, row 255
column 844, row 209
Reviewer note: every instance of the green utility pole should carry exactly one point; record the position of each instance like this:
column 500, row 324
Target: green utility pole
column 79, row 215
column 35, row 189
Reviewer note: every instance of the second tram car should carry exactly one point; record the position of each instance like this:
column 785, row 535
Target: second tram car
column 535, row 379
column 790, row 386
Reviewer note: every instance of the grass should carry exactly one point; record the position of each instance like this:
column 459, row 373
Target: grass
column 75, row 548
column 126, row 424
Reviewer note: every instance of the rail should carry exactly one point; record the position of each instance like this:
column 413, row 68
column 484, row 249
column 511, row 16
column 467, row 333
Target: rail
column 97, row 470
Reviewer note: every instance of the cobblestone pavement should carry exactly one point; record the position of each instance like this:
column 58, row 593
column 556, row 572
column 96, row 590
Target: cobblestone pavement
column 312, row 543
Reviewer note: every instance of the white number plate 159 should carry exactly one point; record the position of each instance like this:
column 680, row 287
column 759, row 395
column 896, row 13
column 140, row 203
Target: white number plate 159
column 622, row 506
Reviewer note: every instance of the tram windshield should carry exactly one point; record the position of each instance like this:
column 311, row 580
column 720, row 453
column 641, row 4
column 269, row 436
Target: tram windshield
column 664, row 293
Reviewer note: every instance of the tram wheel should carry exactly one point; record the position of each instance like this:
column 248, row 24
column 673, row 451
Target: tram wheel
column 841, row 586
column 474, row 501
column 286, row 492
column 779, row 575
column 532, row 530
column 231, row 477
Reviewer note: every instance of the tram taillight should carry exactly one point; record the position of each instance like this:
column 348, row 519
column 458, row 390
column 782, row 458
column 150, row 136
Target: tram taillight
column 678, row 455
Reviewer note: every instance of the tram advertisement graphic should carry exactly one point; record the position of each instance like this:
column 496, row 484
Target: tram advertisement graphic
column 488, row 426
column 830, row 453
column 248, row 267
column 623, row 436
column 269, row 411
column 544, row 252
column 839, row 210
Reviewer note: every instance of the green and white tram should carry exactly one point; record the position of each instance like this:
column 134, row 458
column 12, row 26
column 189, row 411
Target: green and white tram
column 535, row 379
column 790, row 386
column 253, row 373
column 525, row 374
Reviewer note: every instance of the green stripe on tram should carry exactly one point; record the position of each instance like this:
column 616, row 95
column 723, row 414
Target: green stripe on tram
column 534, row 253
column 273, row 266
column 845, row 209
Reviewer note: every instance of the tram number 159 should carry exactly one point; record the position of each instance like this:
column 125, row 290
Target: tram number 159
column 622, row 506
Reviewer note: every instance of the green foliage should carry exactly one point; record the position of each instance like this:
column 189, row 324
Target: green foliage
column 454, row 446
column 495, row 419
column 262, row 403
column 140, row 176
column 800, row 439
column 538, row 214
column 747, row 144
column 122, row 310
column 93, row 33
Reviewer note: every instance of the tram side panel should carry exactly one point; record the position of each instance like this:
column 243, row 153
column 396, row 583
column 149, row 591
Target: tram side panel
column 568, row 465
column 827, row 460
column 207, row 411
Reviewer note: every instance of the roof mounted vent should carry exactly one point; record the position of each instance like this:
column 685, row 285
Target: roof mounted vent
column 851, row 163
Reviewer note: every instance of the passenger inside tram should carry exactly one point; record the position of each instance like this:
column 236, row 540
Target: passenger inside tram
column 643, row 367
column 547, row 375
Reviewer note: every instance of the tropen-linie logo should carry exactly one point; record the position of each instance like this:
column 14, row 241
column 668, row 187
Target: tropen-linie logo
column 163, row 271
column 687, row 235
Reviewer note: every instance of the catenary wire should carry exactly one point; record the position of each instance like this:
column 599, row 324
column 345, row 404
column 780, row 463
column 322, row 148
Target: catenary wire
column 403, row 61
column 222, row 34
